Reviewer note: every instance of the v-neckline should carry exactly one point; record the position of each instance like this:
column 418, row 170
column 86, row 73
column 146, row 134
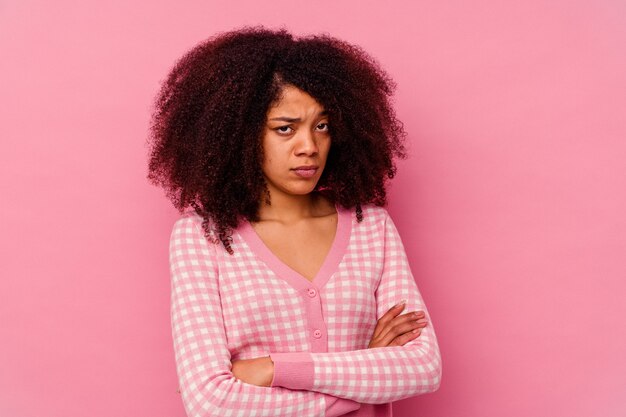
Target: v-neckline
column 294, row 278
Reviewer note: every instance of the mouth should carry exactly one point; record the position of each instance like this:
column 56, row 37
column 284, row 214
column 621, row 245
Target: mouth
column 306, row 171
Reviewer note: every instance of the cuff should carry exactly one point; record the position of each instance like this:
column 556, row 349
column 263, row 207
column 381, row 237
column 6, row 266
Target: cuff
column 341, row 407
column 293, row 370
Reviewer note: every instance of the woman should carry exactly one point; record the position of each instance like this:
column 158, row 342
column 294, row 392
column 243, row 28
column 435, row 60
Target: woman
column 288, row 272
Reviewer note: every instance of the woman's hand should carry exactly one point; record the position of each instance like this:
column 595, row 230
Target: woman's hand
column 391, row 330
column 255, row 371
column 396, row 331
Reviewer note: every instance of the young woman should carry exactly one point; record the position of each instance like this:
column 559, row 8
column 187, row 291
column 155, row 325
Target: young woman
column 287, row 272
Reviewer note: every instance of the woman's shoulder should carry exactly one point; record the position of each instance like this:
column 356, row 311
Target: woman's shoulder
column 373, row 219
column 187, row 218
column 374, row 213
column 191, row 222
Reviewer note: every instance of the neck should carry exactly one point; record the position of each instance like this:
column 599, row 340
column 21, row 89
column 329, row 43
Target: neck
column 292, row 208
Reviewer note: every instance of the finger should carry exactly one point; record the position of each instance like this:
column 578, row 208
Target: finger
column 403, row 329
column 408, row 335
column 397, row 331
column 399, row 321
column 405, row 338
column 388, row 316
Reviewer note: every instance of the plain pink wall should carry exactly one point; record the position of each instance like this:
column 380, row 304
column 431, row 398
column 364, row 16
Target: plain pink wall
column 511, row 205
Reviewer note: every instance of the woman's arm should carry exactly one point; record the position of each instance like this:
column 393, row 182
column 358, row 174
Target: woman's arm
column 203, row 365
column 257, row 371
column 377, row 375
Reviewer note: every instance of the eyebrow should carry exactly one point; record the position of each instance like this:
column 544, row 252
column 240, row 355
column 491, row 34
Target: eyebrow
column 297, row 119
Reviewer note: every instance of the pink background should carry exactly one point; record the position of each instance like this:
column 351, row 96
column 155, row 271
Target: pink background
column 511, row 205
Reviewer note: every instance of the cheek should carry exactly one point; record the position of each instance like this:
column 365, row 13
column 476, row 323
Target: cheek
column 271, row 158
column 272, row 162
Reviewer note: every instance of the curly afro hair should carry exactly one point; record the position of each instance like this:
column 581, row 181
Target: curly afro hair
column 209, row 115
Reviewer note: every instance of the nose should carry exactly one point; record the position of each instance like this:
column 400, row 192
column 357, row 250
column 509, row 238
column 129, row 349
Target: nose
column 306, row 144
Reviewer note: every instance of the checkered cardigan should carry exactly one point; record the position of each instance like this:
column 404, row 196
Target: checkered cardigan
column 226, row 307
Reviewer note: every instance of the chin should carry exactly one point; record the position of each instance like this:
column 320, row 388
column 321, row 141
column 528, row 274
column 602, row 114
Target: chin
column 301, row 190
column 295, row 187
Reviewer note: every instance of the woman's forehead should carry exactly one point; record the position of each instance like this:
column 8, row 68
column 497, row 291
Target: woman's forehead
column 296, row 102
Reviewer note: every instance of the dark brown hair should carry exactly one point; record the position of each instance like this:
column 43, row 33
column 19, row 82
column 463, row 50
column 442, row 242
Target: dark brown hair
column 209, row 115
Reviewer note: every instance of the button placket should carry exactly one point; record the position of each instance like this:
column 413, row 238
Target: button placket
column 316, row 324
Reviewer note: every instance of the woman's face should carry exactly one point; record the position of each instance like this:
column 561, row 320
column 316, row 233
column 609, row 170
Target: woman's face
column 295, row 143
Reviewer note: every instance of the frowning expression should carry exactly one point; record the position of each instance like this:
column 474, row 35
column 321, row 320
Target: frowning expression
column 296, row 142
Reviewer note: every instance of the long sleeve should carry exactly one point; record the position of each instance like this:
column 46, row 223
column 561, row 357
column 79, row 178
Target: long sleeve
column 377, row 375
column 203, row 362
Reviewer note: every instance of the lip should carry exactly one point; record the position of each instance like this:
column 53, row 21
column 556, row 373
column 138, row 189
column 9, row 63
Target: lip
column 306, row 167
column 306, row 171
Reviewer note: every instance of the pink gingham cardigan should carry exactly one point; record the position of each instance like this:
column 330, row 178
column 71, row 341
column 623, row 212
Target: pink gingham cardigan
column 250, row 304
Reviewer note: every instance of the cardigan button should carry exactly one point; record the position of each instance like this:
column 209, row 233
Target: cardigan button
column 317, row 333
column 312, row 292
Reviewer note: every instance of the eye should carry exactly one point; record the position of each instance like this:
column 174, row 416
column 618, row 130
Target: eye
column 325, row 126
column 283, row 132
